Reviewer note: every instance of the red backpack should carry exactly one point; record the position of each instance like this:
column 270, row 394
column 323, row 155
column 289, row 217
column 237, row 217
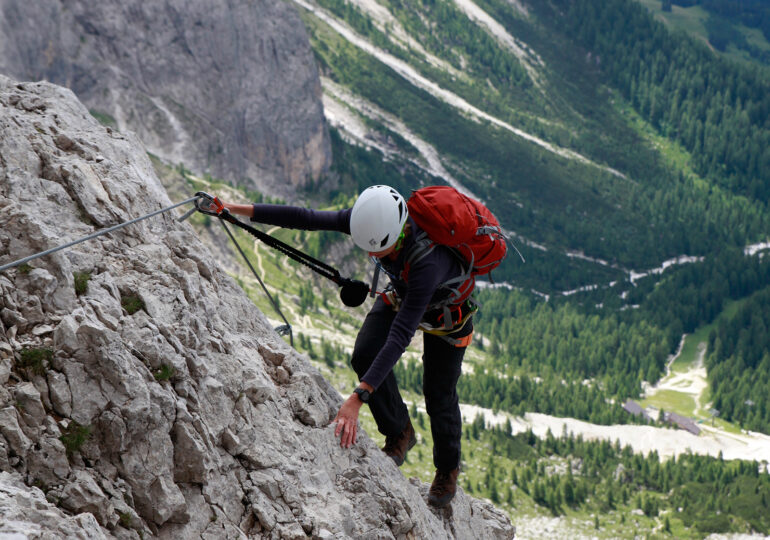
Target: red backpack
column 455, row 220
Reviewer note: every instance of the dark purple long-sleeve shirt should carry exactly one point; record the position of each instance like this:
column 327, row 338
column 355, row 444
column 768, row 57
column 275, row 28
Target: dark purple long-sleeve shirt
column 421, row 289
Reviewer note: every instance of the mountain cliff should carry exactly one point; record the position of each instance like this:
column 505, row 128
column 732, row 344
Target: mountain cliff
column 141, row 392
column 227, row 87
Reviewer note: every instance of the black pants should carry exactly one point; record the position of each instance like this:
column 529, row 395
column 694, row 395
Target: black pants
column 442, row 363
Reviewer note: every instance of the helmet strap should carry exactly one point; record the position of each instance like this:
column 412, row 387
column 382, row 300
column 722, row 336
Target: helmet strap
column 400, row 239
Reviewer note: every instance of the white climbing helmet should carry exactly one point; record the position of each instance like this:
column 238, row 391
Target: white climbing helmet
column 378, row 218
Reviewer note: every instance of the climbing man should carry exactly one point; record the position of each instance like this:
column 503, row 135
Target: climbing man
column 423, row 278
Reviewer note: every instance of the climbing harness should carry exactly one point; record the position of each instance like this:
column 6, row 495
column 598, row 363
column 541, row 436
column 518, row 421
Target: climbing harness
column 451, row 318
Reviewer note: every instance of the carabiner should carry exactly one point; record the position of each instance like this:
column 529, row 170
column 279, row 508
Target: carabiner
column 209, row 204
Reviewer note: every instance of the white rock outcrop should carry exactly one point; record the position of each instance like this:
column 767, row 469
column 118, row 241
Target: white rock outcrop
column 157, row 401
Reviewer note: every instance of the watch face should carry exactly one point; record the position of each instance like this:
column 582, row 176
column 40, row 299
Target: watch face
column 362, row 394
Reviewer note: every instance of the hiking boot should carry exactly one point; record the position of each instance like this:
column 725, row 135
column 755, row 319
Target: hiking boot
column 443, row 488
column 397, row 447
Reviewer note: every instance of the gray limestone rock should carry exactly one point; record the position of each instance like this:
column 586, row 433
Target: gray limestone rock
column 29, row 404
column 5, row 370
column 193, row 460
column 225, row 87
column 83, row 494
column 47, row 461
column 177, row 420
column 27, row 514
column 18, row 442
column 59, row 393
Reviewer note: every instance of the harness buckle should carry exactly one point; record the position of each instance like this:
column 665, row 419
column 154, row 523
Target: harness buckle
column 391, row 299
column 455, row 313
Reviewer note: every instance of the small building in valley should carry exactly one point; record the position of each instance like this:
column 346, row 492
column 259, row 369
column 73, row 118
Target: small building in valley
column 637, row 410
column 683, row 422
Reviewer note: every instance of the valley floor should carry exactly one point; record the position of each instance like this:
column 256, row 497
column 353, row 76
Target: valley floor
column 644, row 439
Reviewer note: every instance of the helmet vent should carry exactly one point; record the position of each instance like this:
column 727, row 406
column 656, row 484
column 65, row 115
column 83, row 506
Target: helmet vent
column 400, row 210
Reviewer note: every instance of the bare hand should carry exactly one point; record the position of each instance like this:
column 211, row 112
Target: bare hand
column 347, row 422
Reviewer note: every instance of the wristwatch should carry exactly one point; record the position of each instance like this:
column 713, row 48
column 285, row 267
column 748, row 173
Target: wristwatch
column 363, row 394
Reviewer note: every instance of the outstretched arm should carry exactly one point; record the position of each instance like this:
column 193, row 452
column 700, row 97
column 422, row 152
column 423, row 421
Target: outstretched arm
column 293, row 217
column 240, row 209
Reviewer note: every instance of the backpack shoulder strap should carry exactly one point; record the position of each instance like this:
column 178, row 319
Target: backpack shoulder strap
column 420, row 249
column 459, row 286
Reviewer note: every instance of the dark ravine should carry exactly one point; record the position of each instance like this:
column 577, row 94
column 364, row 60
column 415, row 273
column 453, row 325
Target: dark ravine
column 228, row 87
column 186, row 418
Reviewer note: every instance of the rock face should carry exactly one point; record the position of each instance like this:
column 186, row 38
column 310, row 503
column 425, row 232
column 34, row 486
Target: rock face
column 140, row 389
column 228, row 87
column 27, row 514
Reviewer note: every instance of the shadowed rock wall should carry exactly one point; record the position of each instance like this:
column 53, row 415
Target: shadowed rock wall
column 228, row 87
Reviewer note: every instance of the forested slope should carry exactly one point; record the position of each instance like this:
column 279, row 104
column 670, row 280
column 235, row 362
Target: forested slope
column 739, row 364
column 739, row 30
column 719, row 111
